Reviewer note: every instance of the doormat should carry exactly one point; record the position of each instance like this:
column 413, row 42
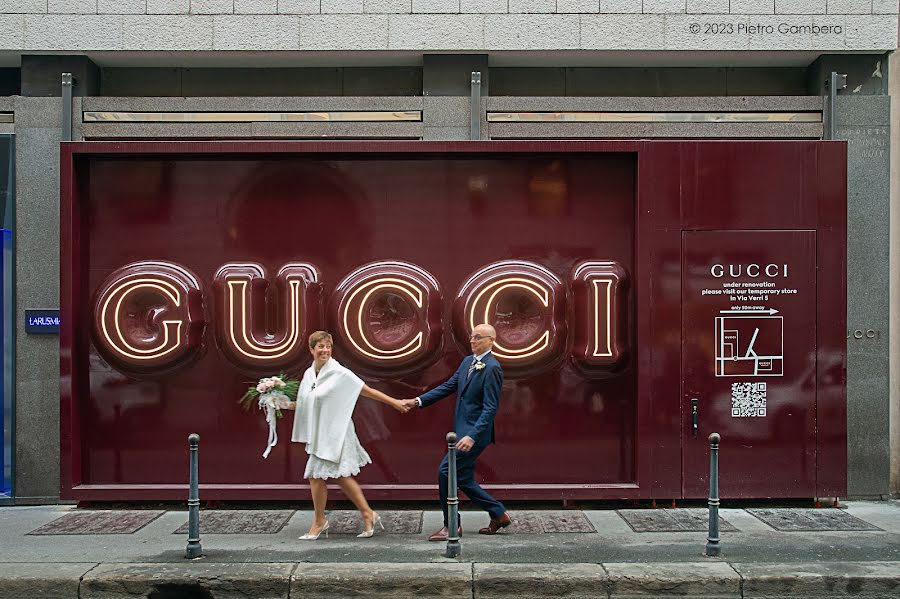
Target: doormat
column 108, row 522
column 810, row 520
column 672, row 520
column 395, row 522
column 240, row 522
column 573, row 521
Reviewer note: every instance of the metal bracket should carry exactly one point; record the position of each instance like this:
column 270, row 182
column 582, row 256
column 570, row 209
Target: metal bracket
column 475, row 107
column 68, row 81
column 836, row 81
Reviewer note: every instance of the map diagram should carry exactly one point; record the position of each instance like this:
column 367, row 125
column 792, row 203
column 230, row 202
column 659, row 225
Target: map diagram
column 750, row 345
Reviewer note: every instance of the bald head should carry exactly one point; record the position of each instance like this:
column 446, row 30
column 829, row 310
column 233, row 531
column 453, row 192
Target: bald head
column 485, row 330
column 482, row 339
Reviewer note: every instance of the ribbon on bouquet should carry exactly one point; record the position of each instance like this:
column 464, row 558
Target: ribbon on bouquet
column 267, row 403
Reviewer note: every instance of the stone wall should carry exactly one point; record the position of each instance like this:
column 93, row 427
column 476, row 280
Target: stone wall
column 458, row 25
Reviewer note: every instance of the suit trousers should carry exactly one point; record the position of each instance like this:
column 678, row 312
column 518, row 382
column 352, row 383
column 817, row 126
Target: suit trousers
column 465, row 481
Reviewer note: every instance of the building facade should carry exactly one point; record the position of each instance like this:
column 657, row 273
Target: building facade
column 181, row 70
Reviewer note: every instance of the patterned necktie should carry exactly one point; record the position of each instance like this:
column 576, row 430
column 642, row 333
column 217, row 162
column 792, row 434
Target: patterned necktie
column 471, row 368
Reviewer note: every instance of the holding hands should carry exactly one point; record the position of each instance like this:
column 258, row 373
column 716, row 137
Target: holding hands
column 402, row 405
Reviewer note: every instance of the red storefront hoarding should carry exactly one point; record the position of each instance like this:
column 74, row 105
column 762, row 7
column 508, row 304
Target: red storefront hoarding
column 637, row 287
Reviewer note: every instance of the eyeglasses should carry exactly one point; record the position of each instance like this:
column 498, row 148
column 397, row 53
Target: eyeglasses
column 479, row 337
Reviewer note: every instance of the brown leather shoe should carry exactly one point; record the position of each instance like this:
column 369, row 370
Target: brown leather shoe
column 496, row 524
column 442, row 534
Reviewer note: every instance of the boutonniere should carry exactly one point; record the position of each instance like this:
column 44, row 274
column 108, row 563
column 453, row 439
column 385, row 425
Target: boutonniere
column 479, row 365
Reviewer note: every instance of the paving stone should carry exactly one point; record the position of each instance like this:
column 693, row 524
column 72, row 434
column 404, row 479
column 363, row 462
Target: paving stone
column 395, row 522
column 98, row 523
column 810, row 520
column 240, row 522
column 672, row 520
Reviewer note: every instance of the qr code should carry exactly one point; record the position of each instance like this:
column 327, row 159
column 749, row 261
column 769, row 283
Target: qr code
column 748, row 400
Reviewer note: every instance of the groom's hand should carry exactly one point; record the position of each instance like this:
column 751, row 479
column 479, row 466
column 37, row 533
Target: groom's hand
column 465, row 444
column 409, row 404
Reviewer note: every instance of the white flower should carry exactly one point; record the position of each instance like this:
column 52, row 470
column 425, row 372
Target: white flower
column 479, row 365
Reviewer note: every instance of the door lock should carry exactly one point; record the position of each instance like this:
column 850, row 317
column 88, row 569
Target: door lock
column 695, row 417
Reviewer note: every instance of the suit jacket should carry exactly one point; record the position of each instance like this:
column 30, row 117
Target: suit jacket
column 477, row 398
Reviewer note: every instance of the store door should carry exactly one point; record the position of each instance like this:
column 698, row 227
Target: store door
column 749, row 361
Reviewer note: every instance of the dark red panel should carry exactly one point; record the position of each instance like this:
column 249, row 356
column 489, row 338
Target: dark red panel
column 749, row 361
column 445, row 212
column 831, row 413
column 448, row 216
column 752, row 185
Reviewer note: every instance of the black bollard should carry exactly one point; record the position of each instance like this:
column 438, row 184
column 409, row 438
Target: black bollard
column 712, row 541
column 453, row 547
column 193, row 546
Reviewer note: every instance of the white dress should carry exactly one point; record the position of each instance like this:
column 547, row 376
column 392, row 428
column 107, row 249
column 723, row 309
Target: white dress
column 323, row 420
column 353, row 457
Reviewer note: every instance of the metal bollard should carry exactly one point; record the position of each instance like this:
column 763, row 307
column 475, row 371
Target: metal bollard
column 453, row 547
column 712, row 541
column 193, row 546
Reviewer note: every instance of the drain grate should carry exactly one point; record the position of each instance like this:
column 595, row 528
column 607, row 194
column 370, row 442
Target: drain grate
column 395, row 522
column 569, row 521
column 810, row 519
column 98, row 523
column 240, row 522
column 672, row 520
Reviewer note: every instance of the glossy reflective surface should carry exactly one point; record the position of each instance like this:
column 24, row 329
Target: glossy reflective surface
column 449, row 217
column 402, row 244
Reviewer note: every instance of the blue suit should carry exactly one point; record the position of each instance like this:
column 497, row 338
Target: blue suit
column 478, row 397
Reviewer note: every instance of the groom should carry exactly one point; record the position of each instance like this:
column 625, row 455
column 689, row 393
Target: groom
column 477, row 384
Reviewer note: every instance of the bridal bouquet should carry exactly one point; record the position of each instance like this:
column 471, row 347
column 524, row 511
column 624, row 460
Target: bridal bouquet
column 271, row 394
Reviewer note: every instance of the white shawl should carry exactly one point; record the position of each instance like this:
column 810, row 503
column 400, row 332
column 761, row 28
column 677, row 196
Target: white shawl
column 324, row 407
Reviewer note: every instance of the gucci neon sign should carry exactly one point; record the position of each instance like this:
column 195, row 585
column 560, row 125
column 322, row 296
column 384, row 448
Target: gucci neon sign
column 149, row 316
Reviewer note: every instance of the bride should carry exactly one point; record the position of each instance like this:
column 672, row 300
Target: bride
column 324, row 406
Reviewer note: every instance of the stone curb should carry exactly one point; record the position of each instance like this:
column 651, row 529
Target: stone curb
column 706, row 580
column 47, row 581
column 114, row 581
column 825, row 580
column 695, row 580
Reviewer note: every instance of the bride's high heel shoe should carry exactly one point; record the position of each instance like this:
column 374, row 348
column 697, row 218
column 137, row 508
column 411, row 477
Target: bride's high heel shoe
column 315, row 537
column 371, row 532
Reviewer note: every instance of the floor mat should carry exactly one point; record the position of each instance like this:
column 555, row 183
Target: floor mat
column 809, row 519
column 672, row 520
column 240, row 522
column 395, row 522
column 569, row 521
column 111, row 522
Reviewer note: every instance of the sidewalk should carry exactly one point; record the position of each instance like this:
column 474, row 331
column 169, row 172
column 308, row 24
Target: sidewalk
column 609, row 559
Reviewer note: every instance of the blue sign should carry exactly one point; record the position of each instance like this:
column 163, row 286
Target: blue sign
column 42, row 322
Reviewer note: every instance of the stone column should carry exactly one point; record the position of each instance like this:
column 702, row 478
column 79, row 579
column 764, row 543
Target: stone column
column 38, row 129
column 864, row 121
